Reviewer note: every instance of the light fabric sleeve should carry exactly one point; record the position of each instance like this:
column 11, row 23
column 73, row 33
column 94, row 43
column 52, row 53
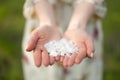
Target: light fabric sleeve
column 28, row 9
column 99, row 8
column 51, row 1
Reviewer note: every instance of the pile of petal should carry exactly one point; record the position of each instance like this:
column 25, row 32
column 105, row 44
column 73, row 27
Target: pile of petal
column 61, row 47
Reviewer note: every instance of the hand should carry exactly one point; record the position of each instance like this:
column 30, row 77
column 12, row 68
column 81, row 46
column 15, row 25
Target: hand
column 39, row 37
column 83, row 41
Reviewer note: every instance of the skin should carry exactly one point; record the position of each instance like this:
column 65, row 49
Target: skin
column 84, row 43
column 39, row 37
column 48, row 30
column 77, row 33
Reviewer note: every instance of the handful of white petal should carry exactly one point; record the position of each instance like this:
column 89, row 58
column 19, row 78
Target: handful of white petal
column 61, row 47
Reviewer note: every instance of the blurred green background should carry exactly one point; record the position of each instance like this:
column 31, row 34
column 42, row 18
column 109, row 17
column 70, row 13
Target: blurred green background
column 11, row 31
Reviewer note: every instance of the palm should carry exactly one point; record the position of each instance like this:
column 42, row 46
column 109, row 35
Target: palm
column 47, row 34
column 39, row 37
column 77, row 36
column 84, row 43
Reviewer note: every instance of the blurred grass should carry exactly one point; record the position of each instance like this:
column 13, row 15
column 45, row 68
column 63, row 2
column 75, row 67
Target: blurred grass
column 11, row 29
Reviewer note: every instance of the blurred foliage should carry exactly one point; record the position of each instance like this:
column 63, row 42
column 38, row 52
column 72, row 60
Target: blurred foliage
column 11, row 30
column 111, row 27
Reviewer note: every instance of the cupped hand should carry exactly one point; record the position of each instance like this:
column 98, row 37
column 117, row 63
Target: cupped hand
column 83, row 41
column 39, row 37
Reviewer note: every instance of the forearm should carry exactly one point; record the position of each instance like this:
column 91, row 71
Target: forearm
column 81, row 15
column 45, row 13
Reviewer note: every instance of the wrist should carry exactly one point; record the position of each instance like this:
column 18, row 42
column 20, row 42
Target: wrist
column 48, row 23
column 78, row 21
column 77, row 26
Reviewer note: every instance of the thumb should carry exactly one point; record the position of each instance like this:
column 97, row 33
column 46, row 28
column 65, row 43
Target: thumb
column 33, row 41
column 90, row 47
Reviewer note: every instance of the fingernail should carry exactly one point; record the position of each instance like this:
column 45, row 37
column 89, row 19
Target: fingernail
column 26, row 49
column 92, row 55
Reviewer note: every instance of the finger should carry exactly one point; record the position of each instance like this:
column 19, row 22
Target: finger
column 90, row 47
column 52, row 60
column 57, row 58
column 81, row 54
column 33, row 40
column 72, row 59
column 65, row 61
column 45, row 57
column 37, row 57
column 61, row 59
